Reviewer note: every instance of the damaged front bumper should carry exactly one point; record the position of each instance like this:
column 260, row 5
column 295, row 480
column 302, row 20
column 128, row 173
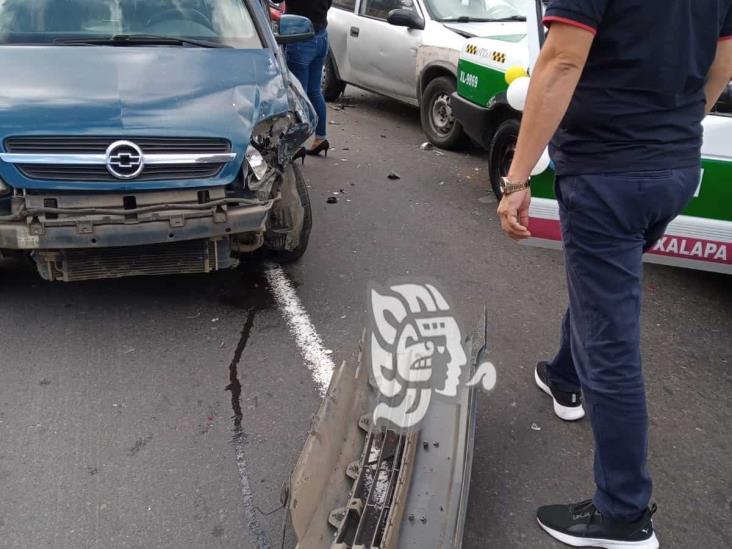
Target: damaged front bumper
column 107, row 220
column 75, row 236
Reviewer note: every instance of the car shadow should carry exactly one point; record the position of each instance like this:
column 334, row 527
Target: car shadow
column 241, row 288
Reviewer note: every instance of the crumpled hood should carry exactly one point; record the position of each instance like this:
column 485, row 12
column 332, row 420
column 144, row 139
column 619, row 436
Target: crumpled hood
column 182, row 91
column 131, row 91
column 485, row 29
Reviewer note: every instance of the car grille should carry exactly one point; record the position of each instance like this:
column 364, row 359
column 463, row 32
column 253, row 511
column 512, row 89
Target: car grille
column 99, row 145
column 52, row 172
column 195, row 256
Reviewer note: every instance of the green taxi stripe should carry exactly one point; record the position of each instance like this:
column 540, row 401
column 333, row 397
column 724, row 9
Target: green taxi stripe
column 713, row 202
column 478, row 83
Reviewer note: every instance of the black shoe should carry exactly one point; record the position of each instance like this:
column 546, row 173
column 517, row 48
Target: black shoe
column 582, row 525
column 323, row 146
column 300, row 155
column 567, row 406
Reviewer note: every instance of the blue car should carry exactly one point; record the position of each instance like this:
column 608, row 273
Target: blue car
column 143, row 137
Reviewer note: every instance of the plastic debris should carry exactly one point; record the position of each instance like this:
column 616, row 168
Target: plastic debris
column 535, row 427
column 426, row 146
column 394, row 175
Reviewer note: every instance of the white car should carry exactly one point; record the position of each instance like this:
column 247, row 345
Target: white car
column 409, row 50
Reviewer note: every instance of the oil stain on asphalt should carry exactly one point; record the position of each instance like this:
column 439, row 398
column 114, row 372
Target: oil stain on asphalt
column 252, row 297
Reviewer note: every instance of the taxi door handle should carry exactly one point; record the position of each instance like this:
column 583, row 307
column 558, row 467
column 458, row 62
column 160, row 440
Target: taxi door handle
column 355, row 32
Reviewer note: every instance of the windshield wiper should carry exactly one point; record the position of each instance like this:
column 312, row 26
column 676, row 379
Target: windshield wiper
column 511, row 18
column 138, row 40
column 466, row 19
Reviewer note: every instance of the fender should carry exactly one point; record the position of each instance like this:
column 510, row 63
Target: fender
column 431, row 63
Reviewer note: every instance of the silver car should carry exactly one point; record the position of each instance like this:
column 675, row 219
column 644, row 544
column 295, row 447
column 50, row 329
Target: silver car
column 409, row 49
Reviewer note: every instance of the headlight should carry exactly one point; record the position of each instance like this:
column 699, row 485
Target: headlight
column 258, row 165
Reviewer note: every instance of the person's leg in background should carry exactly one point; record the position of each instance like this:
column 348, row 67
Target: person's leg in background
column 315, row 91
column 299, row 57
column 606, row 226
column 558, row 378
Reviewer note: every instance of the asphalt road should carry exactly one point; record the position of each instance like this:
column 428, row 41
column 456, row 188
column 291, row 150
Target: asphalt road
column 167, row 412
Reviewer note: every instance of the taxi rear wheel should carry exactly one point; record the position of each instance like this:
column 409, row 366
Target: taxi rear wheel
column 438, row 121
column 502, row 149
column 331, row 85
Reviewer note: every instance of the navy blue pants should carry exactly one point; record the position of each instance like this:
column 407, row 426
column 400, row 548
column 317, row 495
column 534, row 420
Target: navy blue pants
column 608, row 221
column 306, row 61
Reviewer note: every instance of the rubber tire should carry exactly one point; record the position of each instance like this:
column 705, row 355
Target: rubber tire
column 456, row 137
column 290, row 256
column 505, row 138
column 331, row 85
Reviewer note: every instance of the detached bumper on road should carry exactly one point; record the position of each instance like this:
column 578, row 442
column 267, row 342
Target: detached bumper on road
column 356, row 485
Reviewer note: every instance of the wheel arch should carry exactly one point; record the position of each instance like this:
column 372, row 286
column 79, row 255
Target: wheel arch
column 433, row 70
column 332, row 59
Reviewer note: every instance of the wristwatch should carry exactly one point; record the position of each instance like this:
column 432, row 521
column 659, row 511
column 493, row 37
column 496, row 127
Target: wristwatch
column 508, row 187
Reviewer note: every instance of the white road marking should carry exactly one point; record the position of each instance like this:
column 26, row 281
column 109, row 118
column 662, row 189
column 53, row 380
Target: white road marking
column 311, row 347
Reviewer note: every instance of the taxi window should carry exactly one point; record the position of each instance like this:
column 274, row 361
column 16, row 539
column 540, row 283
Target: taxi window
column 380, row 9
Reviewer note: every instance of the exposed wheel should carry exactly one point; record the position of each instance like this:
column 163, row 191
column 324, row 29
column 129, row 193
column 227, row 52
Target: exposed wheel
column 332, row 86
column 500, row 156
column 288, row 234
column 438, row 120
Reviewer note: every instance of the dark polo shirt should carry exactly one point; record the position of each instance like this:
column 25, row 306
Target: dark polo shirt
column 640, row 101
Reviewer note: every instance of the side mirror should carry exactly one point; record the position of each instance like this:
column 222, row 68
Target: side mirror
column 405, row 18
column 294, row 28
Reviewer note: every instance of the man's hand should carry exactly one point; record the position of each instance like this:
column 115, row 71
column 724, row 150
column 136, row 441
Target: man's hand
column 514, row 214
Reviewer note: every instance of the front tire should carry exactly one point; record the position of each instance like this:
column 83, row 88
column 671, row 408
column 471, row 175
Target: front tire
column 500, row 156
column 293, row 219
column 332, row 86
column 438, row 120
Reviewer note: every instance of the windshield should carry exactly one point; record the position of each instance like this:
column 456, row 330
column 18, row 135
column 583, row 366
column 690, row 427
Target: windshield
column 217, row 22
column 487, row 10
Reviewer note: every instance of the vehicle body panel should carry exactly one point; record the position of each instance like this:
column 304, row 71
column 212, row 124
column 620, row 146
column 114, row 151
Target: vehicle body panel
column 383, row 57
column 700, row 238
column 340, row 21
column 391, row 60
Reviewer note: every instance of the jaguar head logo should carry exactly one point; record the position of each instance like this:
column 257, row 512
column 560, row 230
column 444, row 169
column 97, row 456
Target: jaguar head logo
column 416, row 349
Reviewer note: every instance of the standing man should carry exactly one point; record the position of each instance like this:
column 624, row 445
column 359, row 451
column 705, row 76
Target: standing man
column 620, row 89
